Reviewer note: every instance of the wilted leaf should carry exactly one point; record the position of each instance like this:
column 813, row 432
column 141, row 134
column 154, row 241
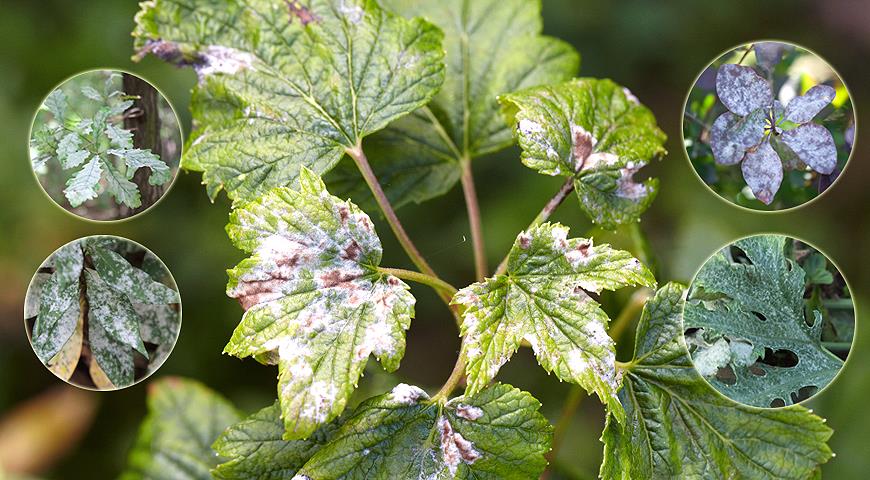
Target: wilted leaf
column 742, row 90
column 174, row 441
column 762, row 170
column 759, row 301
column 596, row 132
column 316, row 302
column 497, row 433
column 679, row 427
column 418, row 157
column 291, row 84
column 543, row 299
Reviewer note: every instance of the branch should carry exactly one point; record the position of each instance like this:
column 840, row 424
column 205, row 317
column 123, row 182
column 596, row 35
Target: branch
column 545, row 213
column 471, row 204
column 362, row 163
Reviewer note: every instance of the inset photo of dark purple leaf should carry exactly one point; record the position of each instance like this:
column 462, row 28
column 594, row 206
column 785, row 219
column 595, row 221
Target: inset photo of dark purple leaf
column 775, row 128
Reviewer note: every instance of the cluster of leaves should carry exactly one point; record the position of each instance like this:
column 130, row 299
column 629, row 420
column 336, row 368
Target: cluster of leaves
column 93, row 146
column 752, row 333
column 766, row 138
column 92, row 309
column 285, row 90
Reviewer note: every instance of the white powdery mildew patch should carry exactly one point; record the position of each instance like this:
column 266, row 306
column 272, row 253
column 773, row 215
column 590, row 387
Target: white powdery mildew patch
column 626, row 187
column 581, row 253
column 630, row 96
column 217, row 59
column 353, row 13
column 468, row 412
column 535, row 133
column 407, row 394
column 378, row 339
column 560, row 238
column 454, row 447
column 321, row 396
column 709, row 360
column 301, row 477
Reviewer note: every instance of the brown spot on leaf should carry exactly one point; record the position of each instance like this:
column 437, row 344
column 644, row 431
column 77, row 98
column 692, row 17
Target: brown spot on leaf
column 343, row 213
column 335, row 278
column 525, row 241
column 454, row 447
column 297, row 10
column 252, row 293
column 392, row 280
column 582, row 146
column 352, row 251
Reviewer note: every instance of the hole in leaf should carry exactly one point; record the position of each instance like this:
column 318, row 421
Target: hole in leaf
column 760, row 316
column 780, row 358
column 757, row 371
column 804, row 393
column 738, row 255
column 726, row 375
column 776, row 403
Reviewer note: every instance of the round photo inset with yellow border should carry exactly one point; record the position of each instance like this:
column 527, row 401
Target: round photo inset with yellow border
column 768, row 126
column 102, row 312
column 105, row 145
column 769, row 321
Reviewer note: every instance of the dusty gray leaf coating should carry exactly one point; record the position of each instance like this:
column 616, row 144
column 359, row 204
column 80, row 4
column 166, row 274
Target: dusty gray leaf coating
column 742, row 90
column 802, row 109
column 814, row 145
column 114, row 312
column 762, row 171
column 58, row 315
column 731, row 135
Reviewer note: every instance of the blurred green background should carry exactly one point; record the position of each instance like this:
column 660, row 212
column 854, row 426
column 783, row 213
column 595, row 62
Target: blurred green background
column 655, row 48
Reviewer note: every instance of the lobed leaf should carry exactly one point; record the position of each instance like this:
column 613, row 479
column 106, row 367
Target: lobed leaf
column 316, row 303
column 174, row 442
column 56, row 103
column 120, row 138
column 679, row 427
column 497, row 433
column 82, row 186
column 596, row 132
column 419, row 156
column 124, row 191
column 256, row 448
column 759, row 302
column 284, row 85
column 136, row 158
column 542, row 299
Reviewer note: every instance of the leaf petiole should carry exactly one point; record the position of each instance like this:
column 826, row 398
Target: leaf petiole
column 436, row 283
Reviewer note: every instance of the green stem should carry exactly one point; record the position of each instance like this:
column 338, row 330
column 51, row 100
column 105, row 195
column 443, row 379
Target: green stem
column 838, row 346
column 383, row 202
column 473, row 207
column 838, row 303
column 542, row 217
column 436, row 283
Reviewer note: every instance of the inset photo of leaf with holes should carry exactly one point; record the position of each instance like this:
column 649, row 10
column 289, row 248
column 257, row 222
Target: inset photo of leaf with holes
column 105, row 145
column 769, row 321
column 769, row 126
column 102, row 312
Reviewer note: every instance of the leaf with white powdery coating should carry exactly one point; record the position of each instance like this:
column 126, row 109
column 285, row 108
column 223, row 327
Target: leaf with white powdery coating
column 136, row 158
column 804, row 108
column 542, row 299
column 762, row 170
column 497, row 433
column 679, row 427
column 315, row 301
column 418, row 156
column 82, row 186
column 759, row 302
column 128, row 280
column 256, row 448
column 595, row 132
column 742, row 90
column 289, row 84
column 58, row 315
column 814, row 145
column 113, row 311
column 174, row 442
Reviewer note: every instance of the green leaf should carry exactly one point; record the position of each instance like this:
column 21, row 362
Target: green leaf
column 113, row 311
column 543, row 299
column 816, row 269
column 136, row 158
column 290, row 84
column 128, row 280
column 82, row 186
column 497, row 433
column 758, row 300
column 256, row 448
column 679, row 427
column 56, row 103
column 595, row 132
column 316, row 302
column 492, row 48
column 69, row 151
column 174, row 442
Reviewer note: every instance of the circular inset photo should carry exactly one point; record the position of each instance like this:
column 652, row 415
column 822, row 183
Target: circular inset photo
column 102, row 312
column 105, row 145
column 768, row 126
column 769, row 321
